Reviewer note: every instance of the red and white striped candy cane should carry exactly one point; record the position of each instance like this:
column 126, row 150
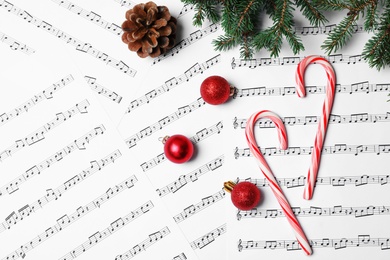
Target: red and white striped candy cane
column 263, row 165
column 323, row 124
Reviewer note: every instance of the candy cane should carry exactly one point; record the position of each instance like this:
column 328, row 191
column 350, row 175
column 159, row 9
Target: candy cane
column 263, row 165
column 323, row 124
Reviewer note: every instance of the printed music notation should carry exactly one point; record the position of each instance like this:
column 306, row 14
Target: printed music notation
column 181, row 111
column 360, row 87
column 66, row 220
column 191, row 177
column 315, row 30
column 317, row 212
column 336, row 181
column 199, row 136
column 38, row 135
column 102, row 90
column 282, row 61
column 194, row 37
column 78, row 144
column 336, row 149
column 336, row 243
column 55, row 194
column 45, row 94
column 186, row 8
column 153, row 238
column 182, row 256
column 114, row 226
column 16, row 45
column 173, row 82
column 126, row 3
column 306, row 120
column 90, row 16
column 208, row 238
column 79, row 45
column 193, row 209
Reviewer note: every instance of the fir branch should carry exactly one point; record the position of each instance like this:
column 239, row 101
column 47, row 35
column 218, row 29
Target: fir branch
column 204, row 9
column 331, row 5
column 246, row 49
column 240, row 21
column 376, row 50
column 279, row 21
column 294, row 41
column 314, row 16
column 228, row 16
column 371, row 17
column 340, row 35
column 225, row 42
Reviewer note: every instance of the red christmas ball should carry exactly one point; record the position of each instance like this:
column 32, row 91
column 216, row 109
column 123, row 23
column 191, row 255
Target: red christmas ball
column 178, row 148
column 245, row 195
column 215, row 90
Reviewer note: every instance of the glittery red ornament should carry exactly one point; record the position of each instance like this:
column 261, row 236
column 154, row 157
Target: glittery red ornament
column 245, row 195
column 215, row 90
column 178, row 148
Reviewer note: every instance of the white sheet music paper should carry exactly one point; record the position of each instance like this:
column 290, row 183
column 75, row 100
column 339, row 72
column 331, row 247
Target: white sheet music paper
column 348, row 215
column 72, row 188
column 69, row 186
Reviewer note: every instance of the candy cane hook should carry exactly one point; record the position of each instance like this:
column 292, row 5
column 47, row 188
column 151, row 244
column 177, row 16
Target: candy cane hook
column 323, row 124
column 263, row 165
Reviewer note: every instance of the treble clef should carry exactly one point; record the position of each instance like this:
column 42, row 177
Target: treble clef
column 235, row 124
column 239, row 215
column 239, row 245
column 233, row 63
column 236, row 154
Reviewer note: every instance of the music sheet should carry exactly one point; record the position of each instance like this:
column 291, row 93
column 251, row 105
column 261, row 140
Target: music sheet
column 83, row 173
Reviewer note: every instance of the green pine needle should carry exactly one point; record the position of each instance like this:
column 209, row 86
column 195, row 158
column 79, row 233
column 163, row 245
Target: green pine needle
column 340, row 35
column 241, row 22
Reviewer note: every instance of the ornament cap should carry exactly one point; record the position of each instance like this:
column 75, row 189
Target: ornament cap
column 228, row 186
column 163, row 139
column 232, row 91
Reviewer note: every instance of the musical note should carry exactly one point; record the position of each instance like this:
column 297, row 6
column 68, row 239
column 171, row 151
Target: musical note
column 335, row 181
column 336, row 243
column 111, row 95
column 361, row 87
column 191, row 177
column 38, row 135
column 60, row 225
column 208, row 238
column 306, row 120
column 185, row 9
column 357, row 212
column 110, row 230
column 16, row 45
column 281, row 61
column 173, row 82
column 55, row 194
column 79, row 45
column 336, row 149
column 14, row 185
column 182, row 256
column 37, row 98
column 182, row 111
column 90, row 16
column 193, row 209
column 187, row 41
column 126, row 3
column 142, row 246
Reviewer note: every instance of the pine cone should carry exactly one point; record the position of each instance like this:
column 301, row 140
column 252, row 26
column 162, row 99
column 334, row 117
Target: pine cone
column 150, row 30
